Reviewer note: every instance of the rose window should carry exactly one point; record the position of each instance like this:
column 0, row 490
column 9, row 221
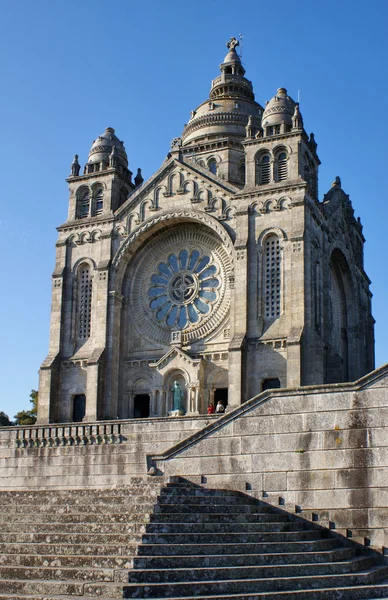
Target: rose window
column 183, row 288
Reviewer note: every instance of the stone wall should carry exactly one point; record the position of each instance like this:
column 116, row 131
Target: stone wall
column 321, row 450
column 88, row 454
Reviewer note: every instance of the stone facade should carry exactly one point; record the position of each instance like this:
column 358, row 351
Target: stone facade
column 223, row 271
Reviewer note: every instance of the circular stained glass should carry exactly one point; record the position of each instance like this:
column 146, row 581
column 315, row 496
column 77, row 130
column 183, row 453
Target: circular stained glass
column 183, row 288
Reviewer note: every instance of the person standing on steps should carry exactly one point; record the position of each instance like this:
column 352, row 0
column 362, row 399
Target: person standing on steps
column 220, row 408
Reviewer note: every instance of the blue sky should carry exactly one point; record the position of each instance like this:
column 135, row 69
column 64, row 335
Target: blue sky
column 70, row 69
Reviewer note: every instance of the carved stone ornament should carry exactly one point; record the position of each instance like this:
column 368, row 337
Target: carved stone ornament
column 176, row 142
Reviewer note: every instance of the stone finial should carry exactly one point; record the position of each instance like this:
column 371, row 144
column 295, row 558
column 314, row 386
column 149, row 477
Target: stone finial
column 313, row 143
column 336, row 182
column 297, row 121
column 113, row 157
column 233, row 43
column 75, row 166
column 139, row 178
column 249, row 128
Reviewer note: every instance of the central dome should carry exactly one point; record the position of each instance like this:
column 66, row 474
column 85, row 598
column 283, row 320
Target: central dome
column 225, row 113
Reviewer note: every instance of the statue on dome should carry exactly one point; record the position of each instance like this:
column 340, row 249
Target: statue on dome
column 232, row 43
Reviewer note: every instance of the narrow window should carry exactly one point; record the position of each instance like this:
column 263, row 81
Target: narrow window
column 83, row 204
column 264, row 170
column 84, row 302
column 242, row 172
column 98, row 201
column 282, row 167
column 212, row 164
column 272, row 277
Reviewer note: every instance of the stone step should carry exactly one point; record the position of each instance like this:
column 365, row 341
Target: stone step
column 205, row 500
column 51, row 528
column 222, row 527
column 70, row 517
column 100, row 507
column 194, row 589
column 70, row 538
column 230, row 548
column 126, row 550
column 68, row 589
column 233, row 560
column 206, row 508
column 230, row 538
column 361, row 592
column 173, row 490
column 63, row 573
column 64, row 561
column 149, row 486
column 228, row 517
column 249, row 572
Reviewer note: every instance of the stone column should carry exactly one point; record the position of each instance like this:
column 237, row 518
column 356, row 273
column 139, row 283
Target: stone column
column 196, row 400
column 152, row 403
column 113, row 347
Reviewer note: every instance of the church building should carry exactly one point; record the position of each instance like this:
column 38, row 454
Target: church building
column 223, row 275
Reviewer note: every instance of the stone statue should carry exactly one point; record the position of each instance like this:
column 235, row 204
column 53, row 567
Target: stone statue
column 178, row 397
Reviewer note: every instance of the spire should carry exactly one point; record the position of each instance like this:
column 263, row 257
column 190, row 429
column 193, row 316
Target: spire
column 75, row 166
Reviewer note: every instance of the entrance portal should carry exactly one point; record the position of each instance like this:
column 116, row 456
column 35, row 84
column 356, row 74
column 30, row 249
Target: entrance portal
column 141, row 406
column 79, row 407
column 270, row 384
column 221, row 394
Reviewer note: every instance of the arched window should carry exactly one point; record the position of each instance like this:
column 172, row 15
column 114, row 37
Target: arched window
column 281, row 167
column 84, row 309
column 212, row 166
column 264, row 168
column 83, row 204
column 98, row 201
column 272, row 268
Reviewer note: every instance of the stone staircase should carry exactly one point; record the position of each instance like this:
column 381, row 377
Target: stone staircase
column 176, row 541
column 204, row 543
column 74, row 543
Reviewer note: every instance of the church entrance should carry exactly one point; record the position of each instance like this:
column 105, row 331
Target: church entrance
column 141, row 406
column 270, row 384
column 79, row 407
column 221, row 394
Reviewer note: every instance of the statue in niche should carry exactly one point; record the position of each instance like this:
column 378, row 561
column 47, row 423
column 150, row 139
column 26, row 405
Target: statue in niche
column 177, row 397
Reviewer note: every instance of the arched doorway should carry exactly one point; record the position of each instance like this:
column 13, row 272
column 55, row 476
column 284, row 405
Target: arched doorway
column 79, row 407
column 270, row 384
column 141, row 406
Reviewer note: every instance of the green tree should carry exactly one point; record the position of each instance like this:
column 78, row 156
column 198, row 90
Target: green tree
column 28, row 417
column 4, row 420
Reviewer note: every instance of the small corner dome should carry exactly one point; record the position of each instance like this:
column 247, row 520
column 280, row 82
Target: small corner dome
column 279, row 110
column 103, row 145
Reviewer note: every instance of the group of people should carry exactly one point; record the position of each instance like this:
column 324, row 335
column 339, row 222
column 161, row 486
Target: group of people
column 220, row 408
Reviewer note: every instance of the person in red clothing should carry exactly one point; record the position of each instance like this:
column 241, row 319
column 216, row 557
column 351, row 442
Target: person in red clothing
column 210, row 409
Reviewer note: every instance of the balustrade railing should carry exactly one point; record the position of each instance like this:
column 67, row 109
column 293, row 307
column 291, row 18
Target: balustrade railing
column 68, row 435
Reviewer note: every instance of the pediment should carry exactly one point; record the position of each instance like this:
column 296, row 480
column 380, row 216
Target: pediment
column 177, row 184
column 175, row 358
